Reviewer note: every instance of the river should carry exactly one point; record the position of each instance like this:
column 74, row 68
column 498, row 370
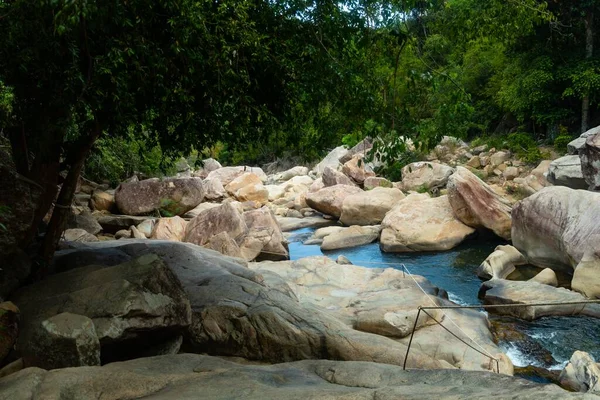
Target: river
column 454, row 271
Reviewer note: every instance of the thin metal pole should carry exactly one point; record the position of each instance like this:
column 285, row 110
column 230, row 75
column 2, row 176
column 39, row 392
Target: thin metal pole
column 566, row 303
column 411, row 338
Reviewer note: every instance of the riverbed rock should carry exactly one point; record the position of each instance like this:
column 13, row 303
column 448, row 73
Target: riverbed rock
column 132, row 305
column 332, row 177
column 84, row 221
column 241, row 181
column 499, row 158
column 289, row 224
column 351, row 237
column 62, row 341
column 78, row 235
column 199, row 208
column 173, row 196
column 102, row 201
column 316, row 185
column 370, row 207
column 213, row 190
column 546, row 276
column 330, row 200
column 501, row 291
column 211, row 222
column 501, row 263
column 136, row 234
column 275, row 192
column 357, row 169
column 265, row 235
column 477, row 205
column 9, row 327
column 189, row 376
column 420, row 223
column 556, row 226
column 225, row 245
column 239, row 312
column 332, row 160
column 590, row 161
column 228, row 174
column 371, row 182
column 361, row 148
column 566, row 171
column 575, row 146
column 586, row 278
column 114, row 223
column 169, row 229
column 146, row 227
column 382, row 302
column 582, row 374
column 425, row 175
column 290, row 173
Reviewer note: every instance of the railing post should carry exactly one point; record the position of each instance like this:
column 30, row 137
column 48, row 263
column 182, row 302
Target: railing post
column 411, row 337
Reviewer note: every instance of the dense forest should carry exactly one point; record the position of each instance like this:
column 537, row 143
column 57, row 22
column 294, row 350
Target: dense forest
column 107, row 89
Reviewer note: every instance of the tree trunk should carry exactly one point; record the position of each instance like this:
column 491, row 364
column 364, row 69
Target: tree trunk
column 62, row 206
column 589, row 52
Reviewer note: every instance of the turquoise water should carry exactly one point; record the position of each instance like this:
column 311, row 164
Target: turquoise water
column 454, row 271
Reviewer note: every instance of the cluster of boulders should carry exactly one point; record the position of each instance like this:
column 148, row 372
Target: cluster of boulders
column 198, row 263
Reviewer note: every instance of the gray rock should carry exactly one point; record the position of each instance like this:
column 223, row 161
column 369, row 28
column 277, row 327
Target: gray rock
column 581, row 373
column 332, row 160
column 133, row 305
column 425, row 175
column 115, row 223
column 332, row 177
column 84, row 221
column 173, row 196
column 62, row 341
column 191, row 376
column 590, row 161
column 343, row 260
column 566, row 171
column 501, row 291
column 78, row 235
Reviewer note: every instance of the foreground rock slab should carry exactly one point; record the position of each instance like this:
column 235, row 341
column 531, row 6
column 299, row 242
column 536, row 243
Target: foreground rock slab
column 385, row 302
column 190, row 376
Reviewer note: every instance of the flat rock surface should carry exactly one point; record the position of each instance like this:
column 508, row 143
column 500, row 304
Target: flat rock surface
column 501, row 291
column 291, row 224
column 190, row 376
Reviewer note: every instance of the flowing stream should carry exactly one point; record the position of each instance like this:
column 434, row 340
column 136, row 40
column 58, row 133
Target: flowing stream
column 548, row 342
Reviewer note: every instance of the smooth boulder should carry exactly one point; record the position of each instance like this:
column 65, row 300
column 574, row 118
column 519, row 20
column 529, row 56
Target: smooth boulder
column 351, row 237
column 357, row 169
column 582, row 374
column 332, row 177
column 475, row 203
column 370, row 207
column 332, row 160
column 330, row 200
column 421, row 223
column 501, row 263
column 566, row 171
column 424, row 175
column 173, row 196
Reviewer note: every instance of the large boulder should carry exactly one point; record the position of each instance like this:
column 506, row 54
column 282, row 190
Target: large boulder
column 290, row 173
column 586, row 278
column 557, row 226
column 169, row 229
column 84, row 221
column 421, row 223
column 133, row 306
column 210, row 164
column 173, row 196
column 384, row 302
column 332, row 177
column 62, row 341
column 575, row 146
column 528, row 293
column 228, row 174
column 566, row 171
column 191, row 376
column 351, row 237
column 369, row 208
column 362, row 148
column 330, row 200
column 475, row 203
column 264, row 235
column 357, row 169
column 425, row 175
column 102, row 201
column 242, row 313
column 211, row 222
column 582, row 374
column 256, row 193
column 590, row 161
column 213, row 190
column 241, row 181
column 332, row 160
